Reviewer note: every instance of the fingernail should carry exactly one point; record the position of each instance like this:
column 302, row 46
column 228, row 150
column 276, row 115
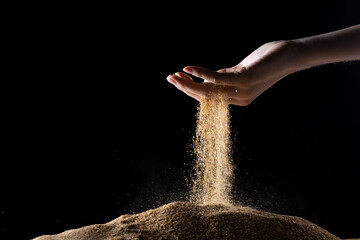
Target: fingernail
column 188, row 70
column 182, row 75
column 171, row 80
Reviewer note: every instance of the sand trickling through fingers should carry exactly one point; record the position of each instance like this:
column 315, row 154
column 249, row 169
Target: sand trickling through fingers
column 213, row 169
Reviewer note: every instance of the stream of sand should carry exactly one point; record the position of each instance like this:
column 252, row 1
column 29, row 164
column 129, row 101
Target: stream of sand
column 213, row 176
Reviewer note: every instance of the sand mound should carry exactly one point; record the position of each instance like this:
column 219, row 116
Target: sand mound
column 183, row 220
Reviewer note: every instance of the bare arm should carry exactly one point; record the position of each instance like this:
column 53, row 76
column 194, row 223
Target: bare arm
column 337, row 46
column 270, row 63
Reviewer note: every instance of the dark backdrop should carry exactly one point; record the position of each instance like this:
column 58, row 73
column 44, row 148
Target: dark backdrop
column 93, row 130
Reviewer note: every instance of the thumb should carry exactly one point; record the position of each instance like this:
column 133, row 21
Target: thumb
column 227, row 70
column 201, row 72
column 206, row 74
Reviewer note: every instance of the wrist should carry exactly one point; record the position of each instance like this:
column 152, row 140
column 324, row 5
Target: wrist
column 296, row 59
column 301, row 59
column 307, row 54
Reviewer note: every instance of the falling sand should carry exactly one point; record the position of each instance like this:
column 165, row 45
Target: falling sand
column 213, row 171
column 211, row 212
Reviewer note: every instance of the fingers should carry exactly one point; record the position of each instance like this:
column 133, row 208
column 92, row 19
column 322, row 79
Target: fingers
column 233, row 95
column 223, row 77
column 184, row 83
column 183, row 75
column 186, row 91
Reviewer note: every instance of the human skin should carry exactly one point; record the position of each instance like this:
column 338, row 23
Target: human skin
column 268, row 64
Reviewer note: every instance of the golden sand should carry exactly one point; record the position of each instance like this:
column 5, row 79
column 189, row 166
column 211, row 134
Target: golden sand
column 213, row 169
column 211, row 213
column 187, row 221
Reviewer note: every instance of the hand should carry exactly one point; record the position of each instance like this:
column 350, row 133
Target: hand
column 246, row 81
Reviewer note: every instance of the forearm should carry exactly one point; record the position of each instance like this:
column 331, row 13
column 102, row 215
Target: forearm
column 337, row 46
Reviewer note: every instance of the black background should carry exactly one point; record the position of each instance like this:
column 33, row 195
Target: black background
column 93, row 130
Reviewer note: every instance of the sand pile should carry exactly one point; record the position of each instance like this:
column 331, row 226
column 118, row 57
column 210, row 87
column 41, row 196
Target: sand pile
column 210, row 214
column 187, row 221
